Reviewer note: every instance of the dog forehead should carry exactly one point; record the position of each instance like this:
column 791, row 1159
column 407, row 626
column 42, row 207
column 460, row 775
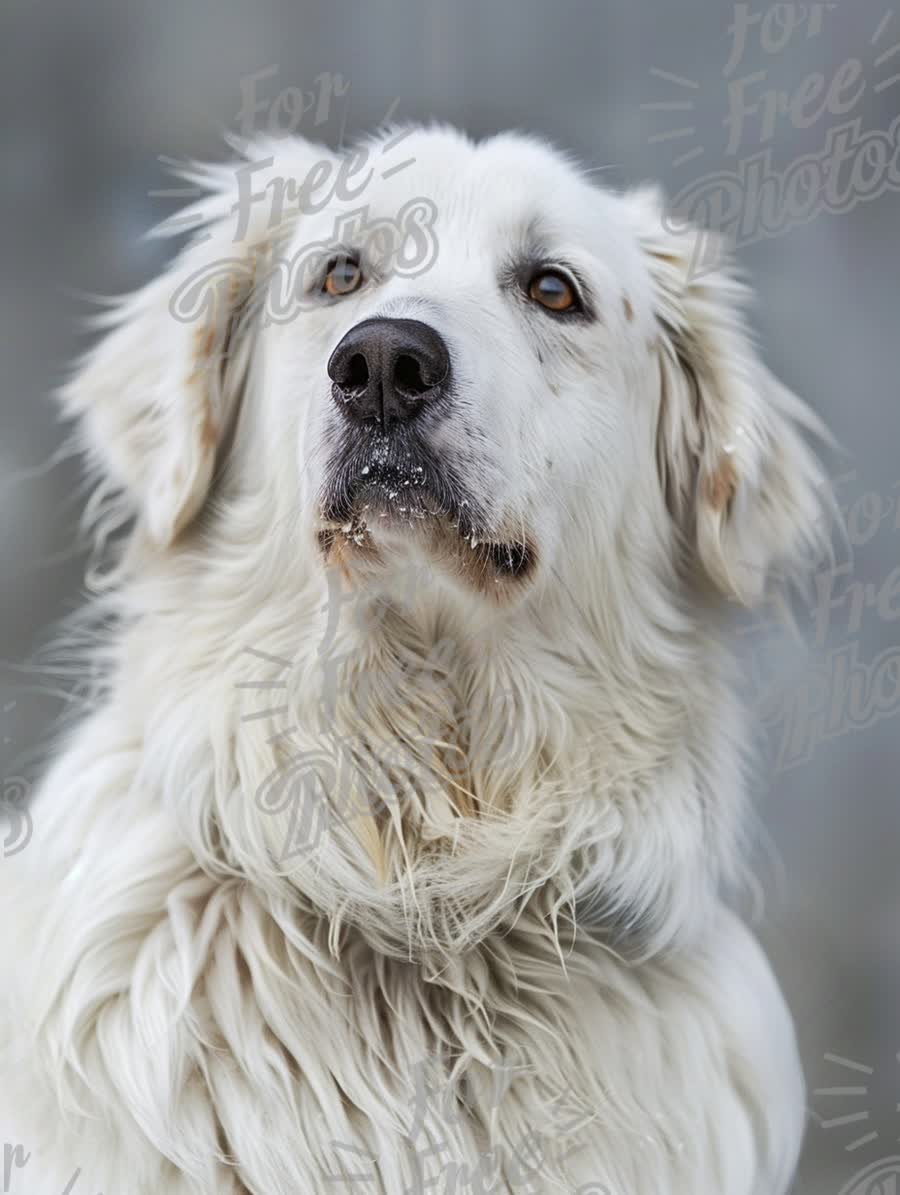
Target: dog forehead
column 514, row 180
column 491, row 196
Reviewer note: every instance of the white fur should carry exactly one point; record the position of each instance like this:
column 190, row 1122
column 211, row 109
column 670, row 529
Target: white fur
column 540, row 884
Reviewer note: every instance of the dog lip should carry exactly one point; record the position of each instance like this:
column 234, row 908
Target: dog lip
column 395, row 483
column 478, row 555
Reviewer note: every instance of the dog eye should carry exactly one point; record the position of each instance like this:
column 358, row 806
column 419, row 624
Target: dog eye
column 553, row 291
column 343, row 277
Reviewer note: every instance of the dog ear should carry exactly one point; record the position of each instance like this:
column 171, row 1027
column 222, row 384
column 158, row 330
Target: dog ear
column 747, row 494
column 156, row 397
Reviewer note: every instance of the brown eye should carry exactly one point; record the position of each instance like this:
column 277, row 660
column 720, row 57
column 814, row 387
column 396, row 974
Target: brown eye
column 343, row 278
column 553, row 291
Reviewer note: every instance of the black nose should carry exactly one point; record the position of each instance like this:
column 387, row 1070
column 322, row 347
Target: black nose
column 386, row 371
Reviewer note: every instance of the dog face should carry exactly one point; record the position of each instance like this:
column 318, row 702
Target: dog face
column 471, row 408
column 467, row 353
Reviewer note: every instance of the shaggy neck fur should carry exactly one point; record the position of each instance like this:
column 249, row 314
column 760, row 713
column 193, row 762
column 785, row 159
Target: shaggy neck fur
column 427, row 771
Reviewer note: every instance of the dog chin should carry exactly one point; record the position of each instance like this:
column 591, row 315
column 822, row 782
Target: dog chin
column 377, row 518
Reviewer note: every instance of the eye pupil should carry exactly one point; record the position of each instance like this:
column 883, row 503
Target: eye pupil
column 552, row 291
column 343, row 277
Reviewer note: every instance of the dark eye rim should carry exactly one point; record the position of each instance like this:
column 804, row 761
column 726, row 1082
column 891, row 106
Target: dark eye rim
column 350, row 259
column 579, row 308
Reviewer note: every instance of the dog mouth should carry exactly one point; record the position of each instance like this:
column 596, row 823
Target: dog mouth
column 388, row 486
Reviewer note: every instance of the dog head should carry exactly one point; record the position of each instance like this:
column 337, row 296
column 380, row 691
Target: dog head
column 466, row 349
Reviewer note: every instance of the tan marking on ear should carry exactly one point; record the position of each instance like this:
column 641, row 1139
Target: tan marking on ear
column 629, row 310
column 670, row 258
column 719, row 487
column 209, row 431
column 204, row 342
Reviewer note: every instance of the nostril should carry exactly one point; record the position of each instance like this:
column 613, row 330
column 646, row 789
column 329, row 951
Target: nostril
column 387, row 370
column 408, row 376
column 356, row 375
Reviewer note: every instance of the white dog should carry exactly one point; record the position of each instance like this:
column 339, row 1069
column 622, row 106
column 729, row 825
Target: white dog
column 393, row 852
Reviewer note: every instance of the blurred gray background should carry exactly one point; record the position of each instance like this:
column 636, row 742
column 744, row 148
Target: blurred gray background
column 95, row 93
